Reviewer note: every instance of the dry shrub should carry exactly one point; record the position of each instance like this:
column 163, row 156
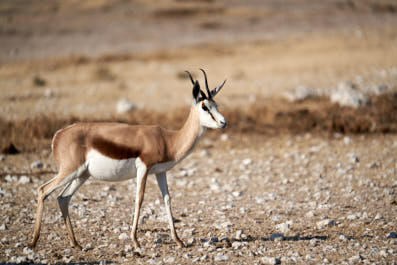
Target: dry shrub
column 315, row 116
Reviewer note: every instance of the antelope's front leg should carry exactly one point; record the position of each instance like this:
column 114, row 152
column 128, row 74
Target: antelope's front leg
column 162, row 182
column 140, row 191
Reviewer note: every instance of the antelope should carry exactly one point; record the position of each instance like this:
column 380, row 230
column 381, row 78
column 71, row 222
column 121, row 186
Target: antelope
column 117, row 151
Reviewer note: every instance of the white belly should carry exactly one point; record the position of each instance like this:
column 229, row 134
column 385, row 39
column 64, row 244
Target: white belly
column 101, row 167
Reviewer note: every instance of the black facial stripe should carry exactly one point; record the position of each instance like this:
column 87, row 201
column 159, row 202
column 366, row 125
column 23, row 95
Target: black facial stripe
column 212, row 116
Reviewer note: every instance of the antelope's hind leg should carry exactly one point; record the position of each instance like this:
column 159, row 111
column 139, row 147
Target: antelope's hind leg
column 43, row 192
column 63, row 201
column 142, row 173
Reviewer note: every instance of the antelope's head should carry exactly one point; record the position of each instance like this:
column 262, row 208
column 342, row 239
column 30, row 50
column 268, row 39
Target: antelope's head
column 210, row 117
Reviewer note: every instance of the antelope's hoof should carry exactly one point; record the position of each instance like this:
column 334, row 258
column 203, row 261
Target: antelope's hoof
column 136, row 245
column 32, row 244
column 180, row 243
column 76, row 245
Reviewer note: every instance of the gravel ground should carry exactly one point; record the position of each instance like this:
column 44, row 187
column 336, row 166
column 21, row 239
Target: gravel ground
column 304, row 199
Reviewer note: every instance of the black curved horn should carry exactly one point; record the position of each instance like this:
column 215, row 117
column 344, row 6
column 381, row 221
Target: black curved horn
column 206, row 84
column 190, row 76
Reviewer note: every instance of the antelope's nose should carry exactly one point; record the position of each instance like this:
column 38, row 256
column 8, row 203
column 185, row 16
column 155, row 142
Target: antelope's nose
column 223, row 124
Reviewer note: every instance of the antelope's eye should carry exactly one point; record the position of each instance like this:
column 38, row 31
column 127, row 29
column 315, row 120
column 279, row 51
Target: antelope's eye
column 205, row 108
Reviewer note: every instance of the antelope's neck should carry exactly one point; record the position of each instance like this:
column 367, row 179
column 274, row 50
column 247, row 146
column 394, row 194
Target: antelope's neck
column 188, row 136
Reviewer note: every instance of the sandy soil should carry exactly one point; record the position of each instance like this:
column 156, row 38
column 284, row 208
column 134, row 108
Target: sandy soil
column 302, row 182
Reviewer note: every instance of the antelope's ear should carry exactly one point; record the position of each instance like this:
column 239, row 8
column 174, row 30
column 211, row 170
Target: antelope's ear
column 196, row 91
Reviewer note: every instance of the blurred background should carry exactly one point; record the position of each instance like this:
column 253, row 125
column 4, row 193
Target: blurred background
column 125, row 60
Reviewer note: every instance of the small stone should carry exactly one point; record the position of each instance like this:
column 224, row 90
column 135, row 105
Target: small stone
column 204, row 258
column 205, row 153
column 169, row 260
column 123, row 236
column 373, row 165
column 48, row 93
column 300, row 93
column 355, row 259
column 354, row 158
column 347, row 94
column 124, row 106
column 347, row 140
column 214, row 239
column 24, row 180
column 36, row 164
column 325, row 223
column 237, row 193
column 238, row 234
column 392, row 235
column 310, row 214
column 378, row 216
column 10, row 178
column 342, row 237
column 283, row 227
column 3, row 227
column 224, row 137
column 21, row 259
column 27, row 250
column 221, row 257
column 237, row 245
column 247, row 161
column 270, row 260
column 352, row 217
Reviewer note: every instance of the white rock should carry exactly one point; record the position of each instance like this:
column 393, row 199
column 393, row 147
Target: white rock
column 24, row 180
column 300, row 93
column 221, row 257
column 224, row 137
column 215, row 187
column 237, row 193
column 124, row 106
column 283, row 227
column 169, row 260
column 325, row 223
column 123, row 236
column 270, row 260
column 378, row 216
column 310, row 214
column 10, row 178
column 203, row 258
column 3, row 227
column 352, row 217
column 355, row 259
column 238, row 234
column 36, row 164
column 354, row 158
column 237, row 245
column 205, row 153
column 48, row 93
column 347, row 94
column 247, row 161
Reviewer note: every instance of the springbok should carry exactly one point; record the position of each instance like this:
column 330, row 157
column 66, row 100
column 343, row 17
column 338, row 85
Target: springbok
column 117, row 151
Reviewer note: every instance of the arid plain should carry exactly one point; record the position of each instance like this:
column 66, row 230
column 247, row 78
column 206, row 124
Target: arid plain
column 298, row 177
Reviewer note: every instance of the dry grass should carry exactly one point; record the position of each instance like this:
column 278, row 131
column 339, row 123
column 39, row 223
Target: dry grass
column 315, row 116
